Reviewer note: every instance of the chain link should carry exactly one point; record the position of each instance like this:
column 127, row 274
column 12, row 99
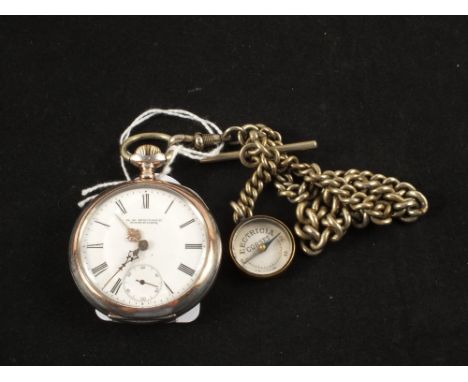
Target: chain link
column 328, row 202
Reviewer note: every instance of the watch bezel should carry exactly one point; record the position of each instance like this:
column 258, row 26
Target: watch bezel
column 172, row 309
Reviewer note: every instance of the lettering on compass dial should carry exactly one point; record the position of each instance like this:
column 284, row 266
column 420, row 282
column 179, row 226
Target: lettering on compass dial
column 262, row 246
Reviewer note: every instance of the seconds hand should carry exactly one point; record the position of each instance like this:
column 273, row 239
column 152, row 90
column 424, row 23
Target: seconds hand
column 143, row 282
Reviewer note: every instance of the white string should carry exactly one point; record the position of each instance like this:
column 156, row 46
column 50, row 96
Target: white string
column 99, row 186
column 209, row 126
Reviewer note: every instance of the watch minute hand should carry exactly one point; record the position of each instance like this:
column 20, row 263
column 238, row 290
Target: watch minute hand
column 132, row 255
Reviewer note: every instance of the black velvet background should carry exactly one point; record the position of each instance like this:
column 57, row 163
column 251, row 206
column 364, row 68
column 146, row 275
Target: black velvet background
column 387, row 94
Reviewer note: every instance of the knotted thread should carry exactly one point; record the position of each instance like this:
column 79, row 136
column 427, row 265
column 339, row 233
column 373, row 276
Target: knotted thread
column 177, row 149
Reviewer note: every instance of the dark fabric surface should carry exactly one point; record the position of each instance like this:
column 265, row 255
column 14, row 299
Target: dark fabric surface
column 388, row 94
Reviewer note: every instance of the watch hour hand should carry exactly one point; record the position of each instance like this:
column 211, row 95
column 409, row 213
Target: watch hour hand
column 132, row 233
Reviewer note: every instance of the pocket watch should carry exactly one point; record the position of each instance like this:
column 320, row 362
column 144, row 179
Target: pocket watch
column 147, row 250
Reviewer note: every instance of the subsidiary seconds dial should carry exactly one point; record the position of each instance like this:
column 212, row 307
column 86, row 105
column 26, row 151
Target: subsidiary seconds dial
column 142, row 283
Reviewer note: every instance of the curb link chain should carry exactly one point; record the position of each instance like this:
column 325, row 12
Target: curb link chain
column 328, row 202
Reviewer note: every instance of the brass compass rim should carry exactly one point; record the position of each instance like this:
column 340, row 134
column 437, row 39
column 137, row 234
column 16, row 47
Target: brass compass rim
column 266, row 275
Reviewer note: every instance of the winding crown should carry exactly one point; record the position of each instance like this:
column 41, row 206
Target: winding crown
column 147, row 150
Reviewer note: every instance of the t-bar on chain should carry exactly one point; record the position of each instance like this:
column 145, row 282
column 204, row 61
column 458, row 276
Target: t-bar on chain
column 328, row 202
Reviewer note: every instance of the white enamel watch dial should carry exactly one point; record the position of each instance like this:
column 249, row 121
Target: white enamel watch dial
column 175, row 237
column 145, row 250
column 262, row 246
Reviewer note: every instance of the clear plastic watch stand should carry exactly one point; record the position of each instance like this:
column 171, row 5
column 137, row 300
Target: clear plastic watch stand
column 185, row 318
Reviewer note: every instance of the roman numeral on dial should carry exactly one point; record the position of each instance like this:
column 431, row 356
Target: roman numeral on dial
column 100, row 269
column 193, row 246
column 98, row 245
column 186, row 269
column 145, row 198
column 187, row 223
column 121, row 206
column 115, row 289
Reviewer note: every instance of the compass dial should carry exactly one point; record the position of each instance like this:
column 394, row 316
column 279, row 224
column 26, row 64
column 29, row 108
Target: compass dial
column 262, row 246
